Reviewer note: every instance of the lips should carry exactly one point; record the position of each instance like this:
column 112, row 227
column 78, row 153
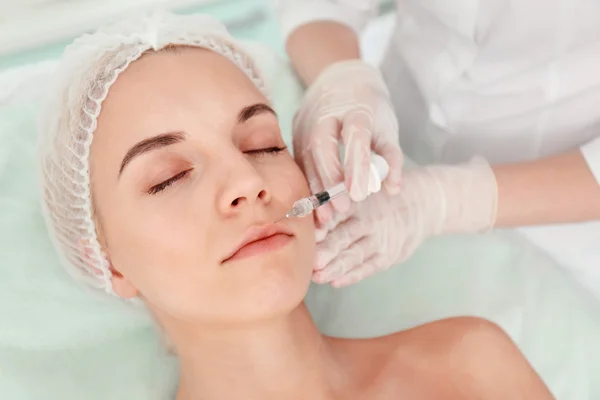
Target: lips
column 261, row 238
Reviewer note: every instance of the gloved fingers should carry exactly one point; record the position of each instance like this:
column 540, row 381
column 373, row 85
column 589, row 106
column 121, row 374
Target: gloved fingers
column 306, row 163
column 326, row 158
column 303, row 158
column 314, row 185
column 303, row 152
column 320, row 234
column 356, row 132
column 339, row 218
column 322, row 214
column 347, row 260
column 386, row 144
column 338, row 239
column 322, row 230
column 368, row 268
column 326, row 254
column 392, row 153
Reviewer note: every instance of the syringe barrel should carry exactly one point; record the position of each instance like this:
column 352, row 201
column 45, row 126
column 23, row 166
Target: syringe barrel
column 337, row 190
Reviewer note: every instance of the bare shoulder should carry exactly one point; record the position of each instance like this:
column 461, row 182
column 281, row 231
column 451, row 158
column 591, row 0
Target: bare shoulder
column 455, row 358
column 470, row 356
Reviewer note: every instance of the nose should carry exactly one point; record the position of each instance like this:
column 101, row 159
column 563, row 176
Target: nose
column 244, row 189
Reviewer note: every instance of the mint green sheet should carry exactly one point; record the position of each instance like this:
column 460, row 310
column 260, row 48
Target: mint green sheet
column 59, row 342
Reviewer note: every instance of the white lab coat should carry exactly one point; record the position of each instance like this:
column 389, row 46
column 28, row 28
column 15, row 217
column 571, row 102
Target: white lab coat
column 511, row 80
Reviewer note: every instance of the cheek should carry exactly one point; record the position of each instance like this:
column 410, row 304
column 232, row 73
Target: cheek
column 287, row 182
column 292, row 186
column 168, row 256
column 150, row 239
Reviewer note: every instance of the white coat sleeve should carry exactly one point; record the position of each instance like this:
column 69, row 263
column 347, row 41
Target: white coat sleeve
column 591, row 153
column 295, row 13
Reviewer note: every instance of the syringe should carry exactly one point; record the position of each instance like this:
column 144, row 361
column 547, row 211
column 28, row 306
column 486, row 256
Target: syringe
column 306, row 205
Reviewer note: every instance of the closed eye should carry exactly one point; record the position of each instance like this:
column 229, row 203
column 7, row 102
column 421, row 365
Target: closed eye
column 184, row 174
column 169, row 182
column 267, row 150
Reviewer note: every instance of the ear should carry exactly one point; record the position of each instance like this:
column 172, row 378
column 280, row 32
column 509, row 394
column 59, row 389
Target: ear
column 121, row 285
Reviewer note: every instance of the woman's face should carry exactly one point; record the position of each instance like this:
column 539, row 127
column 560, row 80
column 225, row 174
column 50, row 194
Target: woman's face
column 188, row 163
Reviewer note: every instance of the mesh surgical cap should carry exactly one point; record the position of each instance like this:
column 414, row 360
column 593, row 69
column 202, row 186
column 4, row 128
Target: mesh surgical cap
column 88, row 68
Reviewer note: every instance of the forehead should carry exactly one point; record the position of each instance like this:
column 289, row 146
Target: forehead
column 169, row 89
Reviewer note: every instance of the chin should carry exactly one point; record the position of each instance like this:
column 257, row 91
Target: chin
column 278, row 292
column 251, row 289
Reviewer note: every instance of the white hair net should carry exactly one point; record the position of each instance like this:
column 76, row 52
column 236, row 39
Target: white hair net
column 89, row 66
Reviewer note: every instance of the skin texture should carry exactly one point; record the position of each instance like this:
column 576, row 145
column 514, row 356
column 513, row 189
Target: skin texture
column 166, row 250
column 240, row 328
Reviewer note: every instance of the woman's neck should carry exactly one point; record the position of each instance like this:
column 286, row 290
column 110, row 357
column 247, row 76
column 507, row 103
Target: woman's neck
column 285, row 358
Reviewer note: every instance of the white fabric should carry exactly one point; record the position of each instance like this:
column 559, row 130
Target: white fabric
column 87, row 70
column 591, row 153
column 507, row 80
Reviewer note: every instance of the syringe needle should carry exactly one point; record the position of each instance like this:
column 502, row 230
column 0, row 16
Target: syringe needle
column 306, row 205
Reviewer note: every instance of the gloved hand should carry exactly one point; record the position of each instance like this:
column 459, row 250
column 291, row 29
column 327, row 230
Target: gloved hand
column 349, row 101
column 384, row 230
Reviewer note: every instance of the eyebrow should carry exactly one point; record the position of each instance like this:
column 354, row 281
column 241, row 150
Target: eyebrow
column 255, row 109
column 171, row 138
column 153, row 143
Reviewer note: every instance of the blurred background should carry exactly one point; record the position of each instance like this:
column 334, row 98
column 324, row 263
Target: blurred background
column 34, row 30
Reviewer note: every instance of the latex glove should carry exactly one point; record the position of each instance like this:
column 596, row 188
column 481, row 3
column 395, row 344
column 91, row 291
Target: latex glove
column 348, row 102
column 384, row 230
